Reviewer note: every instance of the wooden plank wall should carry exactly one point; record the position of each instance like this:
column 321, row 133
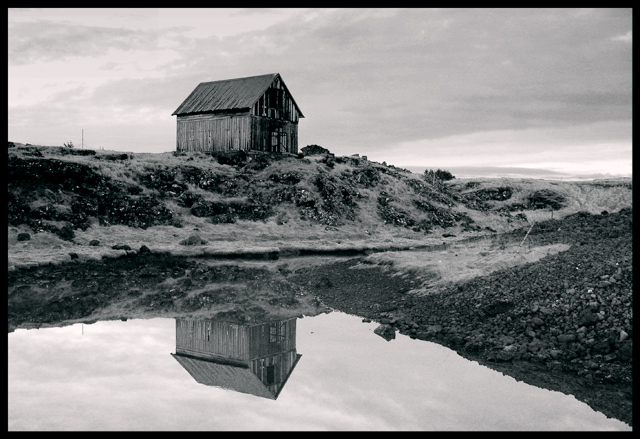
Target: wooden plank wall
column 262, row 128
column 282, row 365
column 217, row 339
column 212, row 339
column 262, row 340
column 210, row 133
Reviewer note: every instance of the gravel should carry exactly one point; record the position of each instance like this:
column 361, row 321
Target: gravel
column 564, row 322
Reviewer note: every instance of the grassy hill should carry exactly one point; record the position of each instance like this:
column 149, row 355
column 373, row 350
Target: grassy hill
column 80, row 204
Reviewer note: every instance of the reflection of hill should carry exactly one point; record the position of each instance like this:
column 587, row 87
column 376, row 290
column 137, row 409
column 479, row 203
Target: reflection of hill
column 249, row 358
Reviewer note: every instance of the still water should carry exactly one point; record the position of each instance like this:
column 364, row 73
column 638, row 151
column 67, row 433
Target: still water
column 329, row 372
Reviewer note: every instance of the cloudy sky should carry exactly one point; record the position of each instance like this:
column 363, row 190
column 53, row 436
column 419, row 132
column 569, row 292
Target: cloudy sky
column 514, row 88
column 114, row 375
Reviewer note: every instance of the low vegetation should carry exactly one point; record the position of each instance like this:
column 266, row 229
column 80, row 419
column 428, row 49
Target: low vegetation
column 74, row 196
column 532, row 277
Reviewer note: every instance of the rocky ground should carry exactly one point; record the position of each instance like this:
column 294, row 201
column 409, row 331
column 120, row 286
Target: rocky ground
column 147, row 285
column 563, row 323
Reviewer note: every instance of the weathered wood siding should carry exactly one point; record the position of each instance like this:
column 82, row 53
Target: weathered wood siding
column 274, row 370
column 218, row 339
column 212, row 339
column 246, row 132
column 271, row 338
column 211, row 133
column 274, row 135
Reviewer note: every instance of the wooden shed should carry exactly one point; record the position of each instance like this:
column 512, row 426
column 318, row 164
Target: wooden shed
column 256, row 113
column 249, row 358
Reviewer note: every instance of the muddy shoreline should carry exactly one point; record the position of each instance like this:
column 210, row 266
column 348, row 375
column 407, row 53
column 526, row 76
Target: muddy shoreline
column 562, row 323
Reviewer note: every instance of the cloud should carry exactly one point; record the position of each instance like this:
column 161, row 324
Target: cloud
column 599, row 147
column 367, row 80
column 627, row 38
column 48, row 41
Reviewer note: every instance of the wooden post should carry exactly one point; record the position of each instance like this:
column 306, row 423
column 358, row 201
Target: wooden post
column 525, row 237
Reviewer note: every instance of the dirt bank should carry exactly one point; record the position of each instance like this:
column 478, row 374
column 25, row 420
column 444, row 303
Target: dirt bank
column 564, row 323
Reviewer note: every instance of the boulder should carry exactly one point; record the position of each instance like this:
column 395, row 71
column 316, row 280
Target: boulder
column 587, row 318
column 566, row 338
column 193, row 240
column 505, row 355
column 385, row 331
column 24, row 237
column 537, row 321
column 625, row 352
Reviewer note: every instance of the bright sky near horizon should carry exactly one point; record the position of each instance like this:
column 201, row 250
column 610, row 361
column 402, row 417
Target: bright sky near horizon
column 529, row 88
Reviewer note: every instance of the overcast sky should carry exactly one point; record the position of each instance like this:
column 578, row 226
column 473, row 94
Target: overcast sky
column 534, row 88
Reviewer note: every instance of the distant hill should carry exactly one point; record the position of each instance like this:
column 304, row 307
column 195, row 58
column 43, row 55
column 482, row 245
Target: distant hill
column 517, row 172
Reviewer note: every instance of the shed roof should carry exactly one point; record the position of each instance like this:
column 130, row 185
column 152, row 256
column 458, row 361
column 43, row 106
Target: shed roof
column 228, row 94
column 226, row 376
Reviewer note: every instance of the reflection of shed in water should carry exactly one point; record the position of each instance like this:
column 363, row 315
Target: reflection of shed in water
column 248, row 358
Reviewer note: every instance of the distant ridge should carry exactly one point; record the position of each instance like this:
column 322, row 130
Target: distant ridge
column 514, row 172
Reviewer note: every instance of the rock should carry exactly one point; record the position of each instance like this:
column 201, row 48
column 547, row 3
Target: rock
column 66, row 232
column 24, row 237
column 623, row 335
column 144, row 249
column 474, row 345
column 555, row 353
column 73, row 255
column 591, row 365
column 385, row 331
column 456, row 340
column 434, row 329
column 533, row 347
column 505, row 355
column 566, row 338
column 193, row 240
column 94, row 243
column 121, row 247
column 507, row 340
column 536, row 321
column 587, row 318
column 625, row 352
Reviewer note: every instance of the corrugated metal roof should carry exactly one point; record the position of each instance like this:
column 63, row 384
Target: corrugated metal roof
column 228, row 94
column 238, row 379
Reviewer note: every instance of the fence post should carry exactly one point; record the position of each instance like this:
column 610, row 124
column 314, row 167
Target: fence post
column 525, row 237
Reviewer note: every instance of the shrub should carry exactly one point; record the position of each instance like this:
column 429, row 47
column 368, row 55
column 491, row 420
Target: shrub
column 431, row 175
column 314, row 150
column 546, row 198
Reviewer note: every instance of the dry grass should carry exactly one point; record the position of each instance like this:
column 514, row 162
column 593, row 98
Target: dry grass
column 367, row 231
column 460, row 262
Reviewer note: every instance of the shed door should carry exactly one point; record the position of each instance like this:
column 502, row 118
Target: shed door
column 276, row 139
